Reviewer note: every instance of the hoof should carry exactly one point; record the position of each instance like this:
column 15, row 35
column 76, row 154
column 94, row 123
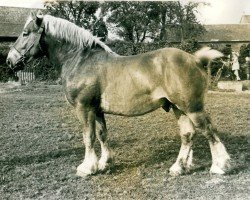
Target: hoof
column 221, row 168
column 104, row 165
column 82, row 174
column 84, row 170
column 216, row 170
column 176, row 170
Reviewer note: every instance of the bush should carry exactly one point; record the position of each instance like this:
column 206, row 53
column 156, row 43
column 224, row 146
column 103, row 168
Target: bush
column 189, row 46
column 128, row 48
column 216, row 64
column 5, row 71
column 244, row 52
column 45, row 71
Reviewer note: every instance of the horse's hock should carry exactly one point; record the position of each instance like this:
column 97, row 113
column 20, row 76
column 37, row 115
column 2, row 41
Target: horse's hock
column 237, row 86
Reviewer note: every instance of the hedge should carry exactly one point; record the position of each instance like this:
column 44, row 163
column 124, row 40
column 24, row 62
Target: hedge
column 44, row 71
column 5, row 72
column 127, row 48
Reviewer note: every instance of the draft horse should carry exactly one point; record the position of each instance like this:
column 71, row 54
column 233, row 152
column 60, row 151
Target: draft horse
column 97, row 81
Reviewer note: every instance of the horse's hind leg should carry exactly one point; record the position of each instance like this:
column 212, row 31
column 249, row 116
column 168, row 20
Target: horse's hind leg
column 220, row 157
column 187, row 131
column 106, row 154
column 90, row 162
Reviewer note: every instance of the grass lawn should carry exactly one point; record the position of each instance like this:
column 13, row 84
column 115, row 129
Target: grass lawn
column 41, row 146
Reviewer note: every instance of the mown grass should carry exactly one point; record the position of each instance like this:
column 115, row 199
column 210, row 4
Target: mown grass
column 41, row 146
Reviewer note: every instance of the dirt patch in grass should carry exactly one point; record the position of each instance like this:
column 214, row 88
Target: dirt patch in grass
column 41, row 146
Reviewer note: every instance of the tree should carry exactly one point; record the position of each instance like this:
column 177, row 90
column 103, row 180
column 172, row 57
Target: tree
column 100, row 29
column 244, row 52
column 178, row 21
column 82, row 13
column 166, row 12
column 169, row 20
column 132, row 20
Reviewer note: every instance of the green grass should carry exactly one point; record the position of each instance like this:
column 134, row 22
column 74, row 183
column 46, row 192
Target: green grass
column 41, row 146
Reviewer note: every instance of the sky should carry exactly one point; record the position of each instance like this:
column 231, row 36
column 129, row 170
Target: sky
column 219, row 11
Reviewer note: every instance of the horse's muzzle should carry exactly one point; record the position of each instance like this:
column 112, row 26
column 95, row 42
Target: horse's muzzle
column 15, row 60
column 16, row 66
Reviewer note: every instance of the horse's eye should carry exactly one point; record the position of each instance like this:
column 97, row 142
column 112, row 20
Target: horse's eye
column 25, row 33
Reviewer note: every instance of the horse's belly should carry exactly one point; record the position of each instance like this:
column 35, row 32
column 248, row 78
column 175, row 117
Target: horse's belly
column 129, row 106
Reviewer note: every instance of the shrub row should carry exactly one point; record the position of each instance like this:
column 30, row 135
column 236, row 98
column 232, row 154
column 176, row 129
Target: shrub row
column 5, row 72
column 127, row 48
column 43, row 70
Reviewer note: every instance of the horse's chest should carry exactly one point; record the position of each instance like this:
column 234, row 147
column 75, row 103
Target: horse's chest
column 84, row 92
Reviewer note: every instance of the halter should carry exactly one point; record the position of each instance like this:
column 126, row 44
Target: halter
column 36, row 42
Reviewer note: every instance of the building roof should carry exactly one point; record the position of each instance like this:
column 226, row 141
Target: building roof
column 245, row 19
column 226, row 32
column 12, row 20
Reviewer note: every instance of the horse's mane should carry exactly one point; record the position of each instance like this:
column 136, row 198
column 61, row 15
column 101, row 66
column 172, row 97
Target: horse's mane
column 80, row 37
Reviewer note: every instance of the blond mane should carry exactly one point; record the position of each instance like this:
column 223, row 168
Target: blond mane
column 63, row 29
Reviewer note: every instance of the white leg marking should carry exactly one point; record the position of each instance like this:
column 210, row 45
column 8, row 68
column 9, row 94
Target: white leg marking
column 89, row 165
column 176, row 169
column 183, row 163
column 106, row 158
column 220, row 158
column 185, row 157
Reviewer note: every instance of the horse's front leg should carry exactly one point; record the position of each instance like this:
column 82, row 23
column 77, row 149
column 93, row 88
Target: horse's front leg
column 106, row 154
column 90, row 162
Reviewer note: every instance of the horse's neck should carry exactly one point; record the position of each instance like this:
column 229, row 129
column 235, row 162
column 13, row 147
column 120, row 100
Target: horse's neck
column 59, row 52
column 68, row 57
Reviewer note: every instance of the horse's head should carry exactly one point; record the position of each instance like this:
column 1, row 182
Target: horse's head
column 28, row 45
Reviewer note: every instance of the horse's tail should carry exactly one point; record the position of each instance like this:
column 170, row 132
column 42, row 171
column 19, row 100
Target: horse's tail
column 206, row 54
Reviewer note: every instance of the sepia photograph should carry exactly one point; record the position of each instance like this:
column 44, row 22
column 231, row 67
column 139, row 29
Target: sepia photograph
column 122, row 100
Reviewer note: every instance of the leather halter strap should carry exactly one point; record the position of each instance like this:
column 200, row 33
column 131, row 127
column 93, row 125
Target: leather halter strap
column 36, row 42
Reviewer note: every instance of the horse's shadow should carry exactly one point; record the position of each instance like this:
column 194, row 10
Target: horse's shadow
column 237, row 146
column 161, row 151
column 11, row 163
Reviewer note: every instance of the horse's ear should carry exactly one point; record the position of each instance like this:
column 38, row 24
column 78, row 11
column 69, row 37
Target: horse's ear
column 33, row 15
column 39, row 18
column 39, row 14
